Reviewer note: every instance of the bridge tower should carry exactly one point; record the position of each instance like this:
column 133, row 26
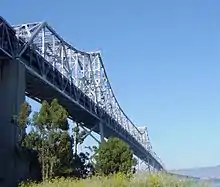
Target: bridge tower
column 12, row 95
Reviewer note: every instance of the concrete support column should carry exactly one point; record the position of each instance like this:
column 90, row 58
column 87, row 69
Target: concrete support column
column 148, row 164
column 139, row 163
column 12, row 95
column 102, row 137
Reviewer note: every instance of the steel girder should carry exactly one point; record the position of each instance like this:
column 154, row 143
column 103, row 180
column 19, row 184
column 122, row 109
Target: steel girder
column 7, row 37
column 146, row 141
column 83, row 69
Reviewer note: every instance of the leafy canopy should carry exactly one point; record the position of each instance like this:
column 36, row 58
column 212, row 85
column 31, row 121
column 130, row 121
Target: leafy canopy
column 50, row 139
column 114, row 156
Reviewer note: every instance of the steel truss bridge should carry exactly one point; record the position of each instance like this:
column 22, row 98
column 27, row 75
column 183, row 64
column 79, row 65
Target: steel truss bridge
column 55, row 69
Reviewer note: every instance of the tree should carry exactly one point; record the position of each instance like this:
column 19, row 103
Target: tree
column 64, row 152
column 78, row 137
column 82, row 166
column 114, row 156
column 51, row 139
column 22, row 121
column 81, row 162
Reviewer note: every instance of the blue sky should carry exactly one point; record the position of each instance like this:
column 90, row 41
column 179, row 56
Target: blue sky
column 162, row 59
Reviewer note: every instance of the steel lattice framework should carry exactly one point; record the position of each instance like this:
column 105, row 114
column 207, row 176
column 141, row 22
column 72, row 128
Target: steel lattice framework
column 146, row 141
column 83, row 69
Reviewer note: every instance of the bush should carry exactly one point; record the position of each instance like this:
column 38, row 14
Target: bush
column 114, row 156
column 120, row 180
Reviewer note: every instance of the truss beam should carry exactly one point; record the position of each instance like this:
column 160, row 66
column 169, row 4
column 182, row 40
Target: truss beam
column 79, row 75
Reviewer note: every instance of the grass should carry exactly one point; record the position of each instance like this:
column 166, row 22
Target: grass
column 119, row 180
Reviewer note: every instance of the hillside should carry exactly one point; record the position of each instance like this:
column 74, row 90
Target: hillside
column 203, row 172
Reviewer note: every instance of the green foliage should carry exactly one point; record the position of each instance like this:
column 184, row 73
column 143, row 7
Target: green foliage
column 49, row 137
column 54, row 144
column 58, row 116
column 78, row 137
column 82, row 167
column 114, row 156
column 51, row 117
column 22, row 121
column 120, row 180
column 24, row 113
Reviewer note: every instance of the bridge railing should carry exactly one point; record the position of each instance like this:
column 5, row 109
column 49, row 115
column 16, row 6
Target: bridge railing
column 85, row 69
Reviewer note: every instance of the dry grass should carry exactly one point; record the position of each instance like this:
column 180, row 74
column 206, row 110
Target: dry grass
column 119, row 180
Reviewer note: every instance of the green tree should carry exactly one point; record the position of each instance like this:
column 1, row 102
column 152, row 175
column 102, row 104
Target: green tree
column 78, row 137
column 114, row 156
column 22, row 121
column 53, row 144
column 64, row 152
column 82, row 166
column 81, row 162
column 48, row 136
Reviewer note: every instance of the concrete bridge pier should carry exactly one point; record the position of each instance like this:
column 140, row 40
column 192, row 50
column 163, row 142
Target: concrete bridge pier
column 102, row 137
column 12, row 95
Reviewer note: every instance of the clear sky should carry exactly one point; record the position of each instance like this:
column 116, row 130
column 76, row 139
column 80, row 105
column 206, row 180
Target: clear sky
column 162, row 59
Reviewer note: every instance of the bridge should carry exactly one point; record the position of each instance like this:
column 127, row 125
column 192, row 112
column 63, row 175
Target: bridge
column 35, row 61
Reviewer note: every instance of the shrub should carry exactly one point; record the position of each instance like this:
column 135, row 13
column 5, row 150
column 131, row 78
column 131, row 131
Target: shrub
column 114, row 156
column 120, row 180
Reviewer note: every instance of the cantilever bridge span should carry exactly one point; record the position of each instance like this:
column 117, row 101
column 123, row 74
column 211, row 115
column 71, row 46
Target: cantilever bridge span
column 52, row 68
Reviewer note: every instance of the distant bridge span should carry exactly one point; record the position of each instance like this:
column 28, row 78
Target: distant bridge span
column 36, row 61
